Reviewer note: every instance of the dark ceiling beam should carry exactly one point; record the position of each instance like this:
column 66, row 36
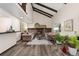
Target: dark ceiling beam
column 46, row 7
column 65, row 3
column 32, row 5
column 23, row 6
column 42, row 12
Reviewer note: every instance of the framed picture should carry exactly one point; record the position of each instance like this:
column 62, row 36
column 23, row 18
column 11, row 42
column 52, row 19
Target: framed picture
column 68, row 25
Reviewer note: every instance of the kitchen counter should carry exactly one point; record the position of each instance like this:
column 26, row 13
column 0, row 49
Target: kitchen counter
column 9, row 32
column 8, row 39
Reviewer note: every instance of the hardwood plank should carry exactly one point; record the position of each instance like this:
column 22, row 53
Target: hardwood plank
column 32, row 50
column 48, row 50
column 22, row 49
column 25, row 51
column 43, row 50
column 13, row 50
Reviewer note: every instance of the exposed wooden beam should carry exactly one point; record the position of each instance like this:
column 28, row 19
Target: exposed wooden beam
column 32, row 5
column 42, row 12
column 46, row 7
column 65, row 3
column 23, row 6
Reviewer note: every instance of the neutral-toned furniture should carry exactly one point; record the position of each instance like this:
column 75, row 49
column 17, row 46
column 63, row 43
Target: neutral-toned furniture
column 51, row 37
column 26, row 37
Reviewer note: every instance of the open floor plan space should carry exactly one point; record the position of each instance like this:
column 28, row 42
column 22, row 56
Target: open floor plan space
column 39, row 29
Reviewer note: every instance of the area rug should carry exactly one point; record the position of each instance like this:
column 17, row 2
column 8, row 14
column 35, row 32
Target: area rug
column 39, row 42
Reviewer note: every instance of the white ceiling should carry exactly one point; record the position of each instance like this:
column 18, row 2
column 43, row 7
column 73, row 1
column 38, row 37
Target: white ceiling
column 15, row 10
column 43, row 9
column 56, row 6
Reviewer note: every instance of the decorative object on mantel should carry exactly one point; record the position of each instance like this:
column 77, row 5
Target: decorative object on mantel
column 68, row 25
column 37, row 25
column 43, row 26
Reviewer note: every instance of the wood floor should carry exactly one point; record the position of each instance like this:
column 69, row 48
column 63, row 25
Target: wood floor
column 22, row 49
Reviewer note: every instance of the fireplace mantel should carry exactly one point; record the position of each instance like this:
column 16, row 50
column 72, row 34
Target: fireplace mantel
column 45, row 29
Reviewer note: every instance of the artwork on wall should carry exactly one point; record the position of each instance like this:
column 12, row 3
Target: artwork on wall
column 68, row 25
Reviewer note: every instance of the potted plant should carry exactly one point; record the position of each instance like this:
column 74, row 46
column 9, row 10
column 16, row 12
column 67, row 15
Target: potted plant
column 59, row 39
column 73, row 45
column 64, row 46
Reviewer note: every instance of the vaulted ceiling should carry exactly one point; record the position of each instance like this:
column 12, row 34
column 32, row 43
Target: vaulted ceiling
column 47, row 9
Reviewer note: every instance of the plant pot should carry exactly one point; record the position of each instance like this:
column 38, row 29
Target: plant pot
column 72, row 51
column 58, row 42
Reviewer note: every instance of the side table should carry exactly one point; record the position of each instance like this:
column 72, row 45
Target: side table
column 26, row 37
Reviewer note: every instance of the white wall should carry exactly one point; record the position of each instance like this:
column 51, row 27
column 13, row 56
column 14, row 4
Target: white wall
column 7, row 40
column 29, row 19
column 41, row 19
column 6, row 20
column 17, row 11
column 29, row 11
column 69, row 11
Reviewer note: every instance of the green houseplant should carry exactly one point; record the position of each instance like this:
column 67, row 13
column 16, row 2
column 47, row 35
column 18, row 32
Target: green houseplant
column 73, row 44
column 59, row 39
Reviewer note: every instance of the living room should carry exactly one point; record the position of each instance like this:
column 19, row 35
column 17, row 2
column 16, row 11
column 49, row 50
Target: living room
column 32, row 29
